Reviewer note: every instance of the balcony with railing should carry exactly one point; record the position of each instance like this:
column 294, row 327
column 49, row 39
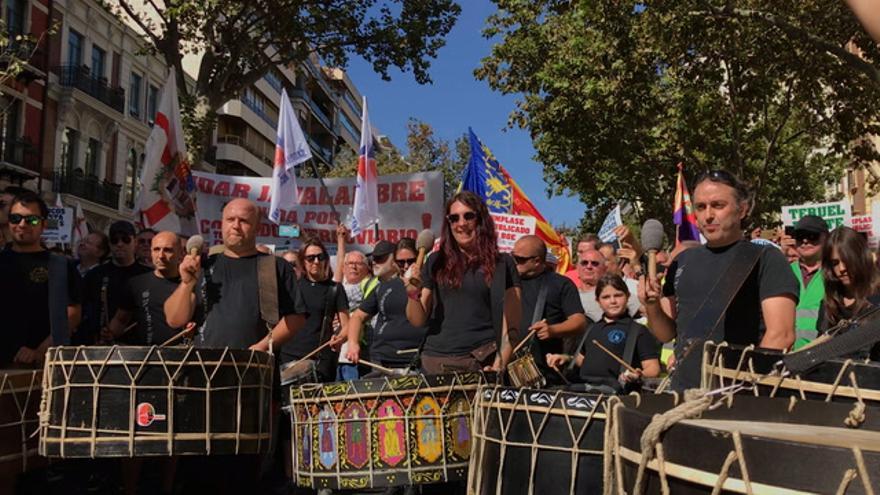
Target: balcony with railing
column 20, row 152
column 80, row 77
column 322, row 151
column 89, row 187
column 316, row 109
column 259, row 110
column 262, row 155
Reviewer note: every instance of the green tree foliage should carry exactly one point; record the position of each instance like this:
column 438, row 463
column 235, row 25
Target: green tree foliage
column 239, row 41
column 615, row 93
column 425, row 152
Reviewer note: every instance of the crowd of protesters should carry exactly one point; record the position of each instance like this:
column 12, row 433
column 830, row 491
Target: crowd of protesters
column 461, row 310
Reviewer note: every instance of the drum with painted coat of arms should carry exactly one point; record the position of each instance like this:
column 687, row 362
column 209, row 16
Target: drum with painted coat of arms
column 390, row 431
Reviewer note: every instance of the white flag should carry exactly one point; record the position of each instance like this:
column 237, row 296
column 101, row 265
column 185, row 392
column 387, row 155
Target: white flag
column 166, row 199
column 80, row 228
column 366, row 194
column 291, row 149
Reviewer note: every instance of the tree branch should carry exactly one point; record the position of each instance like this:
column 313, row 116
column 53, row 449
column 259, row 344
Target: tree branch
column 783, row 25
column 157, row 41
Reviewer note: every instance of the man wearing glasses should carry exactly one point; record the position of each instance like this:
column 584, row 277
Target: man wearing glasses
column 591, row 267
column 562, row 314
column 104, row 286
column 809, row 236
column 353, row 272
column 27, row 274
column 144, row 241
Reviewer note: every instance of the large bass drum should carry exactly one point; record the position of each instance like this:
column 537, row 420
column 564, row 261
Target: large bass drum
column 529, row 441
column 154, row 401
column 661, row 443
column 389, row 431
column 761, row 372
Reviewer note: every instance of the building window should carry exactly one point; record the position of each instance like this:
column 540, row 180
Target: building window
column 131, row 177
column 16, row 14
column 74, row 48
column 348, row 124
column 93, row 153
column 152, row 103
column 274, row 79
column 69, row 147
column 99, row 58
column 355, row 107
column 134, row 95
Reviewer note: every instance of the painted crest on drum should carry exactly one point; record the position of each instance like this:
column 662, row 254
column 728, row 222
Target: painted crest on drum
column 305, row 439
column 429, row 442
column 460, row 428
column 355, row 433
column 146, row 414
column 327, row 437
column 391, row 444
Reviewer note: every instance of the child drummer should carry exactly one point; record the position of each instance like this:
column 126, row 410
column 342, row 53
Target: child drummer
column 612, row 341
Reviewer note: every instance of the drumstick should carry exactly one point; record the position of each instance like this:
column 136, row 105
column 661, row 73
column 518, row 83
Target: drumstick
column 614, row 356
column 377, row 367
column 523, row 342
column 317, row 350
column 178, row 336
column 408, row 351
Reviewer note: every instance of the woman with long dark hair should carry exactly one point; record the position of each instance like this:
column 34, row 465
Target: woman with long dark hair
column 852, row 282
column 467, row 294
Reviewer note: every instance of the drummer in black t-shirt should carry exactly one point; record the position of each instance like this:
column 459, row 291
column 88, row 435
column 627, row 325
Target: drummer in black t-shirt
column 323, row 300
column 613, row 331
column 145, row 295
column 230, row 289
column 456, row 293
column 392, row 332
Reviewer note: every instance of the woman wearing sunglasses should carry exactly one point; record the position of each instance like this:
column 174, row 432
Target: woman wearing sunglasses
column 470, row 291
column 323, row 300
column 852, row 284
column 392, row 332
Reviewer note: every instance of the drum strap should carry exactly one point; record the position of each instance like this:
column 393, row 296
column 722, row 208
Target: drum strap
column 267, row 283
column 496, row 294
column 329, row 310
column 538, row 313
column 58, row 300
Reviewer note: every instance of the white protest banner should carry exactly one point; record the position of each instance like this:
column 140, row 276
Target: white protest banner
column 835, row 213
column 612, row 221
column 59, row 225
column 408, row 203
column 509, row 228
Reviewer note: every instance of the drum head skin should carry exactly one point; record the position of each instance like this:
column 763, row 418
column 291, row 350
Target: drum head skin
column 761, row 444
column 390, row 431
column 151, row 401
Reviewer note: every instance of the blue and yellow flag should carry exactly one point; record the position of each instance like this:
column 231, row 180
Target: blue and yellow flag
column 486, row 177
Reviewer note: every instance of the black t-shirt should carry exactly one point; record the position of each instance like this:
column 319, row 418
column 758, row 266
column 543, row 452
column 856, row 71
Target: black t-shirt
column 694, row 274
column 872, row 353
column 312, row 298
column 230, row 295
column 598, row 365
column 114, row 278
column 24, row 300
column 393, row 331
column 462, row 317
column 145, row 297
column 562, row 302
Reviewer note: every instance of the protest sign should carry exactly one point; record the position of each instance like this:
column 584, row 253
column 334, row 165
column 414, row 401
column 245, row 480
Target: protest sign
column 509, row 228
column 612, row 221
column 865, row 223
column 59, row 225
column 408, row 203
column 836, row 213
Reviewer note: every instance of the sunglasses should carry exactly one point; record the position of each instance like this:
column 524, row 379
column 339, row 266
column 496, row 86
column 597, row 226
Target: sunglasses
column 32, row 220
column 811, row 237
column 405, row 262
column 521, row 260
column 314, row 258
column 592, row 263
column 469, row 216
column 115, row 239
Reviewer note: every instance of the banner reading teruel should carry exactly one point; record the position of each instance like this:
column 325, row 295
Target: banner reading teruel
column 408, row 203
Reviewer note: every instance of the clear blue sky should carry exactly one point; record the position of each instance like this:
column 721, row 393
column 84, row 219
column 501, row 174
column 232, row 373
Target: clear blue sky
column 457, row 100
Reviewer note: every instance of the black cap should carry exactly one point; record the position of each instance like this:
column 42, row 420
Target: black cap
column 812, row 224
column 122, row 227
column 382, row 248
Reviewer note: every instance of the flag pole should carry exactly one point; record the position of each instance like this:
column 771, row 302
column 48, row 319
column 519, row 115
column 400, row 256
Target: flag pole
column 324, row 188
